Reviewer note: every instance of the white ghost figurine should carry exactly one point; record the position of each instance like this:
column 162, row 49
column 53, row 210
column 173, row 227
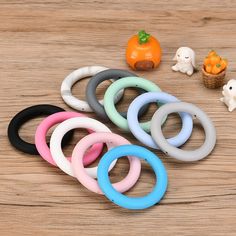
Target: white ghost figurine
column 186, row 62
column 229, row 93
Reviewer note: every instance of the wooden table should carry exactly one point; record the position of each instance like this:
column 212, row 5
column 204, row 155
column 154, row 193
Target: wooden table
column 41, row 42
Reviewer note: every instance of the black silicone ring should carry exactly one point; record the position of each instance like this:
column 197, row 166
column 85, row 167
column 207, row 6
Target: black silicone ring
column 25, row 115
column 99, row 78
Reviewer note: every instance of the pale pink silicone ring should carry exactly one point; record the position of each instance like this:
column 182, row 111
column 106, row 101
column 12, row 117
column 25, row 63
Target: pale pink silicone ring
column 111, row 140
column 50, row 121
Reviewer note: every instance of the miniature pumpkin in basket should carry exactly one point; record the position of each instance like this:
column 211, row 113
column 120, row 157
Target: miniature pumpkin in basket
column 143, row 52
column 214, row 70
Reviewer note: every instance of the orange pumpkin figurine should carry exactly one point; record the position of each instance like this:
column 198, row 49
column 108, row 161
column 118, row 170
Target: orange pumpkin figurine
column 143, row 52
column 224, row 63
column 207, row 61
column 216, row 69
column 215, row 59
column 208, row 68
column 212, row 53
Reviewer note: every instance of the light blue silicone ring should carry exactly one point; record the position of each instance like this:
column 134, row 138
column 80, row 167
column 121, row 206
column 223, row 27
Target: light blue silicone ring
column 145, row 138
column 134, row 203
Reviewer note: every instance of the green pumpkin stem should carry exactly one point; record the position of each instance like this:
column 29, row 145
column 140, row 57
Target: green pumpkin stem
column 143, row 37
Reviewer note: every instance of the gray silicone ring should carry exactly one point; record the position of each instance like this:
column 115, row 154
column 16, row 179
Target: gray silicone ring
column 183, row 155
column 99, row 78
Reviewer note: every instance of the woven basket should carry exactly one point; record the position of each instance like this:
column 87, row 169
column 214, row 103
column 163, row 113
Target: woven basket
column 213, row 81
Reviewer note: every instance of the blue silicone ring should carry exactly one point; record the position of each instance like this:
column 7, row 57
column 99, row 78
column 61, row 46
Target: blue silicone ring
column 145, row 138
column 134, row 203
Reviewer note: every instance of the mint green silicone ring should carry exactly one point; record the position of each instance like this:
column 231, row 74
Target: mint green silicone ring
column 114, row 88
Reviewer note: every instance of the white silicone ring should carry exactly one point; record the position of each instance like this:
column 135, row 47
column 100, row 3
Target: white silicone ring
column 75, row 76
column 55, row 142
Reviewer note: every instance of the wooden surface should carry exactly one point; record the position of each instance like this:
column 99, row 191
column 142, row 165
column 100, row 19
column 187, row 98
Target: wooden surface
column 41, row 42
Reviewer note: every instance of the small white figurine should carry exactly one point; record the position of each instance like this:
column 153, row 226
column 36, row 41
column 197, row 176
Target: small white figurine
column 229, row 93
column 186, row 62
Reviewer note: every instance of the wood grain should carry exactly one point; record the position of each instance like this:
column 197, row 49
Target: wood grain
column 41, row 42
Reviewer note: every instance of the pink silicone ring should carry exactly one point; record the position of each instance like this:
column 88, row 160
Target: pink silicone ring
column 50, row 121
column 111, row 140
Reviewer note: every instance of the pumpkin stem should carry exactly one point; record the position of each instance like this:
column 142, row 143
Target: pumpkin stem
column 143, row 37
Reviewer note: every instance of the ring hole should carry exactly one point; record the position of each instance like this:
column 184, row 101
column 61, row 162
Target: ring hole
column 147, row 180
column 147, row 177
column 152, row 107
column 28, row 129
column 172, row 126
column 197, row 137
column 79, row 133
column 129, row 94
column 78, row 89
column 101, row 89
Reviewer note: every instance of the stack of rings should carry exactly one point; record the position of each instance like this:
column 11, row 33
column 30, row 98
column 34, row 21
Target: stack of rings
column 106, row 109
column 89, row 148
column 87, row 151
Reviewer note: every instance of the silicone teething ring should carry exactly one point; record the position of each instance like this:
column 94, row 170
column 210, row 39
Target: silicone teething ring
column 75, row 76
column 99, row 78
column 114, row 88
column 62, row 129
column 50, row 121
column 111, row 140
column 141, row 135
column 183, row 155
column 134, row 203
column 25, row 115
